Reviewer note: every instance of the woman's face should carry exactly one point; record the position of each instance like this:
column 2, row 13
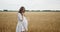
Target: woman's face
column 23, row 11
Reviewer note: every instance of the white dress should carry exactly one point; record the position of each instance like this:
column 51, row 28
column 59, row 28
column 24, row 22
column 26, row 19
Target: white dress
column 21, row 25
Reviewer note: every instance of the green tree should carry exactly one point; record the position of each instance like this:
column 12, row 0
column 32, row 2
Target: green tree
column 5, row 10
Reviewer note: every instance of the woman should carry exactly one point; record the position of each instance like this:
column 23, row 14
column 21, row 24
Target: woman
column 22, row 25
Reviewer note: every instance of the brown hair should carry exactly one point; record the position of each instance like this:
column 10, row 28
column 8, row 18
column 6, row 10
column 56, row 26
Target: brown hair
column 22, row 8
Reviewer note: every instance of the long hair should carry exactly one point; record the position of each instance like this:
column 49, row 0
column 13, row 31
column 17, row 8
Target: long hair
column 22, row 8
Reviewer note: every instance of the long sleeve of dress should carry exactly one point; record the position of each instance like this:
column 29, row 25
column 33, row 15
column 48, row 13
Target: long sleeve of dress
column 19, row 17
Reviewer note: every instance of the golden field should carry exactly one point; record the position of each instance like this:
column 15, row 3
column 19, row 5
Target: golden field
column 38, row 21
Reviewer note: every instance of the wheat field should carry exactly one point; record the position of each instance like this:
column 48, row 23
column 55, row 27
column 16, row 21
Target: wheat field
column 37, row 21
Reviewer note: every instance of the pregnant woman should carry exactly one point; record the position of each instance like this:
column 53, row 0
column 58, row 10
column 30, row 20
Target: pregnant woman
column 22, row 25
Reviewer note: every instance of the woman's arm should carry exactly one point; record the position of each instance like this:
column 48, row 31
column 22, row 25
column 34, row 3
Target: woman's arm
column 20, row 17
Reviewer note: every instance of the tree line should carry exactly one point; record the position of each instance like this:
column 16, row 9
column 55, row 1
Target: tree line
column 33, row 10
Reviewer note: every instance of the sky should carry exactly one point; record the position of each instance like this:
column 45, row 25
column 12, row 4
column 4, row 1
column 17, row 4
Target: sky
column 30, row 4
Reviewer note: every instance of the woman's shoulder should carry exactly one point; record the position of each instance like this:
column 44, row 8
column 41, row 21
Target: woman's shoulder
column 19, row 14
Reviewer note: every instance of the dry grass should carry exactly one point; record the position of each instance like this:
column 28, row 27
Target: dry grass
column 38, row 21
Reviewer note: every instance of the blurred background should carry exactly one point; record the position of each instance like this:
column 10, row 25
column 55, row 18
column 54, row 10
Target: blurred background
column 42, row 15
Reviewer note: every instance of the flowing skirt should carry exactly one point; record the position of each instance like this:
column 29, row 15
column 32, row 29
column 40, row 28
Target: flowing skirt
column 21, row 26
